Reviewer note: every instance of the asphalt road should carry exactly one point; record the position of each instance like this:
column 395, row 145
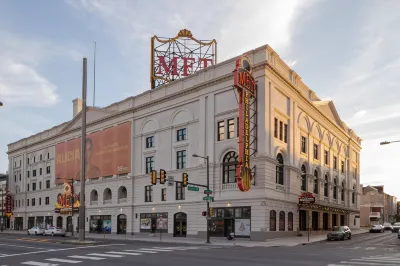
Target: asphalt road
column 365, row 249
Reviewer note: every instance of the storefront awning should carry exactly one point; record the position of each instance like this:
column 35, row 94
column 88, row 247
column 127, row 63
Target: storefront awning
column 319, row 207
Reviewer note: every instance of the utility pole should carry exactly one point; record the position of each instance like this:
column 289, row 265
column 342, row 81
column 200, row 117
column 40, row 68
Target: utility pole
column 83, row 154
column 2, row 209
column 208, row 202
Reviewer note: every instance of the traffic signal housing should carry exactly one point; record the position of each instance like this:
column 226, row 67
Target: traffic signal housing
column 153, row 177
column 185, row 179
column 163, row 174
column 211, row 212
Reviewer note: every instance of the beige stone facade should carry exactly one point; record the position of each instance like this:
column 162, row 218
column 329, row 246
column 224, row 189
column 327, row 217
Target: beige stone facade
column 302, row 145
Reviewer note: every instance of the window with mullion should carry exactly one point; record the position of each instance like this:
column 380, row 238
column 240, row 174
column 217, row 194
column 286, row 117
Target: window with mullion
column 326, row 186
column 326, row 157
column 221, row 130
column 149, row 164
column 280, row 130
column 180, row 191
column 315, row 151
column 181, row 134
column 163, row 194
column 335, row 162
column 148, row 193
column 229, row 164
column 181, row 159
column 342, row 167
column 231, row 128
column 285, row 135
column 303, row 144
column 150, row 142
column 276, row 128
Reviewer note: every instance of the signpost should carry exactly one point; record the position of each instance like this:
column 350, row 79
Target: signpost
column 170, row 180
column 193, row 188
column 207, row 191
column 307, row 198
column 208, row 198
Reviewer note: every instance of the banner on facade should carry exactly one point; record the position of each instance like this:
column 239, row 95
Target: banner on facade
column 145, row 223
column 108, row 152
column 306, row 198
column 8, row 207
column 242, row 227
column 65, row 200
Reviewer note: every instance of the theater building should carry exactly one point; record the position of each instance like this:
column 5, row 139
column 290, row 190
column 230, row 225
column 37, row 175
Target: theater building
column 301, row 145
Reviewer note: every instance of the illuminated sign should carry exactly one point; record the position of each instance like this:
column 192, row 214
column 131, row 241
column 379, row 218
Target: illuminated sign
column 65, row 200
column 245, row 84
column 178, row 57
column 306, row 198
column 8, row 205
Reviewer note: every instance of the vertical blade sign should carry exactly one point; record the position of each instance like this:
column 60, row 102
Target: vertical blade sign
column 245, row 85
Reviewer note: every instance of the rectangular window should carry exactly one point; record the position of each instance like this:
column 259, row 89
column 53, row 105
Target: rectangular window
column 28, row 187
column 47, row 183
column 342, row 167
column 27, row 202
column 47, row 199
column 280, row 130
column 163, row 194
column 15, row 164
column 231, row 128
column 40, row 201
column 148, row 190
column 33, row 202
column 48, row 156
column 28, row 160
column 181, row 159
column 15, row 178
column 150, row 142
column 335, row 162
column 326, row 157
column 20, row 177
column 28, row 173
column 285, row 136
column 149, row 164
column 40, row 185
column 34, row 173
column 181, row 134
column 48, row 169
column 40, row 171
column 33, row 186
column 180, row 191
column 40, row 160
column 221, row 130
column 276, row 128
column 316, row 151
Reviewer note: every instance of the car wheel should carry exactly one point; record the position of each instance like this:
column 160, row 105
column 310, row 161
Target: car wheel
column 52, row 234
column 35, row 233
column 28, row 233
column 44, row 233
column 342, row 239
column 350, row 236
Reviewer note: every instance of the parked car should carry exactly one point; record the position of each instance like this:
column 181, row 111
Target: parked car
column 398, row 234
column 36, row 230
column 396, row 227
column 388, row 226
column 339, row 232
column 377, row 229
column 54, row 231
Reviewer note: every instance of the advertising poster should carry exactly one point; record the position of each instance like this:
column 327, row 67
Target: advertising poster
column 108, row 152
column 162, row 223
column 107, row 226
column 242, row 227
column 145, row 223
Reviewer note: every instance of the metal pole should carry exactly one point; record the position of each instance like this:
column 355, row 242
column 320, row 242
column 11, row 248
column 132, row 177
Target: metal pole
column 83, row 154
column 72, row 203
column 2, row 210
column 208, row 202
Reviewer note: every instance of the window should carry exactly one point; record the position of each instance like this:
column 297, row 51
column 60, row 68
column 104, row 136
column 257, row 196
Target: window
column 303, row 144
column 303, row 186
column 48, row 155
column 40, row 201
column 15, row 178
column 15, row 164
column 20, row 177
column 281, row 221
column 181, row 134
column 276, row 128
column 342, row 192
column 149, row 164
column 326, row 186
column 335, row 189
column 316, row 151
column 326, row 157
column 181, row 159
column 48, row 169
column 231, row 128
column 34, row 161
column 279, row 169
column 28, row 173
column 28, row 187
column 27, row 202
column 33, row 173
column 353, row 195
column 290, row 221
column 47, row 183
column 40, row 160
column 33, row 186
column 33, row 202
column 40, row 185
column 20, row 162
column 150, row 142
column 280, row 130
column 229, row 163
column 163, row 194
column 47, row 200
column 272, row 221
column 28, row 160
column 335, row 162
column 285, row 135
column 148, row 193
column 40, row 171
column 237, row 127
column 180, row 191
column 342, row 166
column 221, row 130
column 316, row 183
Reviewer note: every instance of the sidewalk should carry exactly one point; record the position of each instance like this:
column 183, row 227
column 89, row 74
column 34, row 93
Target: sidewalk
column 277, row 242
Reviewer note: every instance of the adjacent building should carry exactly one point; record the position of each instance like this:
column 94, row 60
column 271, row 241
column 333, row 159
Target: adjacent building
column 3, row 191
column 300, row 144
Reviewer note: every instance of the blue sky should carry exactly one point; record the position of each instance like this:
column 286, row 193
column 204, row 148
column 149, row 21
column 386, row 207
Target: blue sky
column 346, row 51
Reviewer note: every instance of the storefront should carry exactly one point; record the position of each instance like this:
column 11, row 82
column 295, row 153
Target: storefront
column 152, row 222
column 40, row 221
column 231, row 220
column 100, row 224
column 31, row 222
column 48, row 220
column 19, row 223
column 121, row 223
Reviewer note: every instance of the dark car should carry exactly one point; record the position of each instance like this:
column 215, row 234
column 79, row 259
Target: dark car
column 377, row 229
column 339, row 233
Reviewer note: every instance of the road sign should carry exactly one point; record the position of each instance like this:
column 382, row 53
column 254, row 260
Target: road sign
column 170, row 180
column 208, row 198
column 207, row 191
column 192, row 188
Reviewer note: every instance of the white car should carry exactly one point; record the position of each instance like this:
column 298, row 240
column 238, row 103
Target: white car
column 36, row 230
column 54, row 231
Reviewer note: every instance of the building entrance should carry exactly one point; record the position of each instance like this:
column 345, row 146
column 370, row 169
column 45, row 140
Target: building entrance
column 180, row 224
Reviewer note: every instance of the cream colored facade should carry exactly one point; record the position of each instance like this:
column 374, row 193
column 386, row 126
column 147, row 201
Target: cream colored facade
column 198, row 103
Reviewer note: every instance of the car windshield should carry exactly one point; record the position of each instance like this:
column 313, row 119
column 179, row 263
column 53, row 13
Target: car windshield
column 338, row 228
column 378, row 226
column 397, row 224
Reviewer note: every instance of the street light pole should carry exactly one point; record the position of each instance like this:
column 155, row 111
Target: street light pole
column 388, row 142
column 2, row 210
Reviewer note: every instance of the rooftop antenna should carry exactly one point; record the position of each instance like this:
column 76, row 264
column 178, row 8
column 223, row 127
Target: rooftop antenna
column 94, row 76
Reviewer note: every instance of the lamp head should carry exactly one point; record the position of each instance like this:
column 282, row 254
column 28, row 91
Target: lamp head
column 385, row 142
column 195, row 155
column 1, row 104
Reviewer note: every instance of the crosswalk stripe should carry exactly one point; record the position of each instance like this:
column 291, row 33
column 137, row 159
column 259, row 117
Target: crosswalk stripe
column 366, row 263
column 379, row 259
column 174, row 248
column 85, row 257
column 36, row 263
column 105, row 255
column 152, row 249
column 123, row 253
column 63, row 260
column 370, row 248
column 142, row 251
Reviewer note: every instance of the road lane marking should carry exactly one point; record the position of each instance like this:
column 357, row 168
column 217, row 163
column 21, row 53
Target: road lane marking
column 370, row 248
column 86, row 257
column 366, row 263
column 35, row 263
column 142, row 251
column 18, row 246
column 153, row 249
column 105, row 255
column 173, row 248
column 123, row 253
column 63, row 260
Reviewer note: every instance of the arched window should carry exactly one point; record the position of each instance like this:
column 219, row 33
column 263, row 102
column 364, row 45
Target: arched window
column 282, row 221
column 229, row 164
column 335, row 188
column 326, row 186
column 316, row 182
column 107, row 196
column 342, row 192
column 353, row 195
column 303, row 178
column 122, row 194
column 272, row 221
column 279, row 169
column 290, row 221
column 93, row 196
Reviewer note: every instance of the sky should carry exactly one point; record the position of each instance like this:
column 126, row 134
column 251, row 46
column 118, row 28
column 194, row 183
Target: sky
column 345, row 51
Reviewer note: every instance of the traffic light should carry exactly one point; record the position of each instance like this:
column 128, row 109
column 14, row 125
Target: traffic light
column 203, row 213
column 211, row 212
column 185, row 179
column 153, row 177
column 163, row 173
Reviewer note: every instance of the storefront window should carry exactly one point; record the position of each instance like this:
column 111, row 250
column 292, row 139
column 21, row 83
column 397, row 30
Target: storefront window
column 238, row 212
column 152, row 222
column 229, row 212
column 290, row 221
column 100, row 224
column 220, row 213
column 272, row 221
column 282, row 221
column 246, row 212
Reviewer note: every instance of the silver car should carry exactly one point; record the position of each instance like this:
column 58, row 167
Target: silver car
column 339, row 233
column 36, row 230
column 54, row 231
